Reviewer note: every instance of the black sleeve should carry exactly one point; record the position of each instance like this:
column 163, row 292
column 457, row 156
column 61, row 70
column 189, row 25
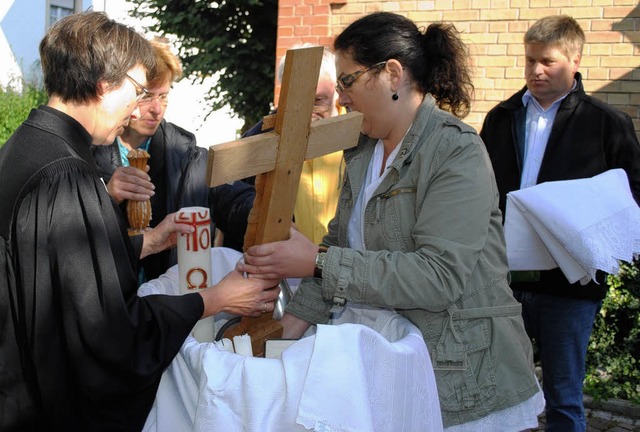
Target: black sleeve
column 623, row 150
column 230, row 205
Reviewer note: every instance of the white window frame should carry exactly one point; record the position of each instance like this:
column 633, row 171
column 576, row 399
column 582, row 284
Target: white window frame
column 70, row 6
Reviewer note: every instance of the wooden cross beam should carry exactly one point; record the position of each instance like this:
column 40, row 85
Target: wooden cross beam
column 276, row 158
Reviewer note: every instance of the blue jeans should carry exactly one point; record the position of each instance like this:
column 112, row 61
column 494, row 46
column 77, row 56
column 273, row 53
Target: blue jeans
column 560, row 328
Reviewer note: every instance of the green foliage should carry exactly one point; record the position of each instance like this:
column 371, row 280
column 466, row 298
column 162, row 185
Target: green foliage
column 614, row 350
column 15, row 107
column 234, row 40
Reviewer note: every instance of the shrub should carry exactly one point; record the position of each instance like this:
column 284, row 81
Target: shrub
column 614, row 349
column 15, row 107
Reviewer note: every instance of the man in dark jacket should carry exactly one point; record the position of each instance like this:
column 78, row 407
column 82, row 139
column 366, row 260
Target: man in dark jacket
column 177, row 168
column 551, row 130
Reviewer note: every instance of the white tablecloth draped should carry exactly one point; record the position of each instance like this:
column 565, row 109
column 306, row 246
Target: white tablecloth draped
column 369, row 371
column 580, row 226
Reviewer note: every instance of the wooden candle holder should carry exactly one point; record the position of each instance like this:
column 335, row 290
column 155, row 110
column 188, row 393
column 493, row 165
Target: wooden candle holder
column 138, row 212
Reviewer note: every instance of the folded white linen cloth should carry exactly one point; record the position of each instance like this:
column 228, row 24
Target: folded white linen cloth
column 372, row 376
column 580, row 226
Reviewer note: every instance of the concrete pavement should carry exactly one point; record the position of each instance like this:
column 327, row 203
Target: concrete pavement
column 608, row 416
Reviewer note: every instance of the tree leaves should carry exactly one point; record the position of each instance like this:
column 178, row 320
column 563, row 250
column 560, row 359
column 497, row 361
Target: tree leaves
column 15, row 108
column 234, row 40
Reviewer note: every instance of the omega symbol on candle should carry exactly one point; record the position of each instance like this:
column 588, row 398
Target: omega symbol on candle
column 203, row 277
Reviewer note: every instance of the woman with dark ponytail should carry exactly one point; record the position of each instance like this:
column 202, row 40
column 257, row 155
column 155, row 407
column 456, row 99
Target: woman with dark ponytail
column 418, row 229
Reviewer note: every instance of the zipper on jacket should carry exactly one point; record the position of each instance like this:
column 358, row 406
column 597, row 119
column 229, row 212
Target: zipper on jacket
column 389, row 195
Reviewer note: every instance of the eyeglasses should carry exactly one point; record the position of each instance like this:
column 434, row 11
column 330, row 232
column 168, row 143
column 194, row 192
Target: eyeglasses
column 321, row 109
column 141, row 91
column 343, row 83
column 163, row 99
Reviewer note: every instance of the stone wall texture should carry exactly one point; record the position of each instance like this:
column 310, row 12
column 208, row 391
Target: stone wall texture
column 494, row 29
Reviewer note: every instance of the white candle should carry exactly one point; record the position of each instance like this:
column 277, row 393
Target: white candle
column 225, row 344
column 242, row 345
column 194, row 262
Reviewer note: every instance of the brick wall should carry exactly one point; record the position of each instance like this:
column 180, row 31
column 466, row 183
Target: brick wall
column 493, row 30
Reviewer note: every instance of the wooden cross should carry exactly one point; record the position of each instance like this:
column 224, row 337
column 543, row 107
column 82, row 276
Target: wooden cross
column 276, row 157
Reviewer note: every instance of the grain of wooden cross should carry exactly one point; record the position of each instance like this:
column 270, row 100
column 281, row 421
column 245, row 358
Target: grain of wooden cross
column 276, row 157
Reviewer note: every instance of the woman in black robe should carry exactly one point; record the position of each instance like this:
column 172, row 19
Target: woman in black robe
column 79, row 350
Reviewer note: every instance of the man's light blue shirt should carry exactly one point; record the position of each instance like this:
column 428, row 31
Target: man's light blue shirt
column 538, row 124
column 125, row 151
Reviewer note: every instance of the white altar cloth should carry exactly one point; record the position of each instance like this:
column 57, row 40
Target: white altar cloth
column 580, row 226
column 372, row 376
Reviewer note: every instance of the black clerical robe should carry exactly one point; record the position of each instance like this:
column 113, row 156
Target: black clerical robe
column 72, row 327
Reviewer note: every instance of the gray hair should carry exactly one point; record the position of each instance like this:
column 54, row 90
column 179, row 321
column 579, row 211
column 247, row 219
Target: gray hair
column 327, row 67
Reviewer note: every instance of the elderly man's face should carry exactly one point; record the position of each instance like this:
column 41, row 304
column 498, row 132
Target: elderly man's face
column 324, row 105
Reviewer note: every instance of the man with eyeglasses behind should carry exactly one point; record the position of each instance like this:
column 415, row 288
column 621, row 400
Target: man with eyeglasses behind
column 321, row 178
column 176, row 176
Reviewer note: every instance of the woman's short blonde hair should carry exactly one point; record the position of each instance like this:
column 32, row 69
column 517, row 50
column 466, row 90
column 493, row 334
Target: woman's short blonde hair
column 168, row 66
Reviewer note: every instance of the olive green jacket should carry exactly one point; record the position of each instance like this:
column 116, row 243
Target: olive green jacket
column 436, row 254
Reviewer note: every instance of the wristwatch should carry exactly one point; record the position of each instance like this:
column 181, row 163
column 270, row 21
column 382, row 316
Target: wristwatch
column 322, row 254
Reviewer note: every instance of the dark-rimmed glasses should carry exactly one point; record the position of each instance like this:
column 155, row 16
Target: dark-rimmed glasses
column 343, row 83
column 141, row 91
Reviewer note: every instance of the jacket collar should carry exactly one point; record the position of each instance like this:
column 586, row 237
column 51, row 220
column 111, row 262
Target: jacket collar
column 157, row 150
column 67, row 128
column 409, row 143
column 572, row 99
column 409, row 146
